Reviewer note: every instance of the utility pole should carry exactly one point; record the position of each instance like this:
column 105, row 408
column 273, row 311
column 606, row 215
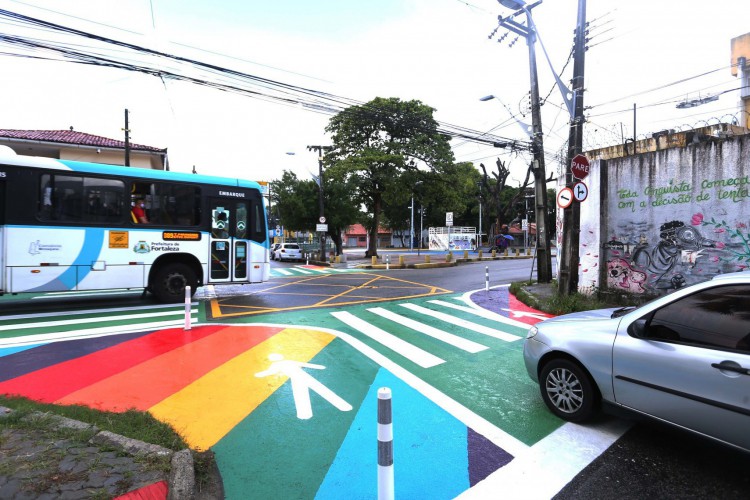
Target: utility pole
column 569, row 260
column 479, row 236
column 544, row 259
column 320, row 150
column 127, row 140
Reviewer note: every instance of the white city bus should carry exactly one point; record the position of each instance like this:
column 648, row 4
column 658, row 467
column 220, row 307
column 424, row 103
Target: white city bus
column 67, row 225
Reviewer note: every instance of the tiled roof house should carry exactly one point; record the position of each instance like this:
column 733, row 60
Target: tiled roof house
column 79, row 146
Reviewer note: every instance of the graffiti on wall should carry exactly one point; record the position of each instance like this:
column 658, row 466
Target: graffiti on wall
column 687, row 245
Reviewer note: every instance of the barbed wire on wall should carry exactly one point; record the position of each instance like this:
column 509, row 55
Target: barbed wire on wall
column 601, row 137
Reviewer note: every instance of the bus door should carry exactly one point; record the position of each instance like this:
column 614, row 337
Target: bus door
column 229, row 244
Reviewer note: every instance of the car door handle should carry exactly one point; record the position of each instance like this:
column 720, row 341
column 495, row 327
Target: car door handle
column 731, row 368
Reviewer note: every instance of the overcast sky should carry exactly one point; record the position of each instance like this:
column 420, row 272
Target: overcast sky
column 652, row 53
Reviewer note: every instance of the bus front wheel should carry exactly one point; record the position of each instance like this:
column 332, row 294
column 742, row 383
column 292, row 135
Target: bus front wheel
column 169, row 282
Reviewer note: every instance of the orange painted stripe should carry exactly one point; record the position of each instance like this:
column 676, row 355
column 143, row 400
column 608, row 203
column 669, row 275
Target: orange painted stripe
column 206, row 410
column 152, row 381
column 56, row 381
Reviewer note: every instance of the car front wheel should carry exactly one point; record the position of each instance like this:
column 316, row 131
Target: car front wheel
column 568, row 390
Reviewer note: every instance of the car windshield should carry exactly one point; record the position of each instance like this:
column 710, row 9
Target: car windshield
column 294, row 247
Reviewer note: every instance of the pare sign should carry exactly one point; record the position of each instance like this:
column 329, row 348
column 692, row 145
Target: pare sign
column 580, row 167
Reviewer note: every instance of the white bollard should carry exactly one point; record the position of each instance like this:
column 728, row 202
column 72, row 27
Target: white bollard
column 188, row 305
column 487, row 279
column 387, row 262
column 385, row 445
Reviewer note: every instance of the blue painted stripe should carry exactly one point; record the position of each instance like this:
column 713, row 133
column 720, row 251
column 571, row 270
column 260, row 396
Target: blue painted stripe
column 430, row 457
column 6, row 351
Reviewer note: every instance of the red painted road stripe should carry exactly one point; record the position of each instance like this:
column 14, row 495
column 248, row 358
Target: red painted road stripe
column 516, row 305
column 148, row 383
column 156, row 491
column 52, row 383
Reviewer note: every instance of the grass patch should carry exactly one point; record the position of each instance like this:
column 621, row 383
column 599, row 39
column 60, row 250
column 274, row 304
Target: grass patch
column 556, row 303
column 133, row 424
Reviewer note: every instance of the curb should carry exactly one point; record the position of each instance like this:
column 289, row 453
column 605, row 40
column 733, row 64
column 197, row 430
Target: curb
column 181, row 483
column 442, row 263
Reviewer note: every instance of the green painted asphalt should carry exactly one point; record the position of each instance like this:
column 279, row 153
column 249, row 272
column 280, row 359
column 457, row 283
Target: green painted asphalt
column 492, row 383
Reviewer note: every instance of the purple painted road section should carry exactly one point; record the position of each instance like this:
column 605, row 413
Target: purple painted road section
column 496, row 300
column 484, row 457
column 21, row 363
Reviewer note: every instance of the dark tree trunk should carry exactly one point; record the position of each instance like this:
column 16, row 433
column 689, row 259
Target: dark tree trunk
column 372, row 250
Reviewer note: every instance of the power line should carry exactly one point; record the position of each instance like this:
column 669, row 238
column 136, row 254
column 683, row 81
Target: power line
column 284, row 93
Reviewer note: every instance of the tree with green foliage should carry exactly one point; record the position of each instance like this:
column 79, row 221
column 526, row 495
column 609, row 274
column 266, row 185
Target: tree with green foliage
column 384, row 147
column 295, row 201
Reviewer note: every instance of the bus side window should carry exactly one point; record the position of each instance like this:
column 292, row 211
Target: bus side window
column 69, row 194
column 45, row 209
column 104, row 199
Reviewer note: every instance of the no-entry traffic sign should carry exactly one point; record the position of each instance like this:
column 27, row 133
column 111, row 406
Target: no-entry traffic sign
column 564, row 197
column 580, row 167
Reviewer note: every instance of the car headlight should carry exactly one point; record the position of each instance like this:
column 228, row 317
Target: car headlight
column 532, row 332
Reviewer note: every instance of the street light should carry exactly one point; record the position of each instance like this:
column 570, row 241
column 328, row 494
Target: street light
column 411, row 221
column 320, row 150
column 527, row 129
column 513, row 4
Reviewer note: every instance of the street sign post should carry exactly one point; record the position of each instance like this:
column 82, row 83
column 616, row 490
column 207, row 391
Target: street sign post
column 580, row 167
column 448, row 219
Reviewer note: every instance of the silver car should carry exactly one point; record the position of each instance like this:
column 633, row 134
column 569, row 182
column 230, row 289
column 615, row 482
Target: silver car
column 683, row 359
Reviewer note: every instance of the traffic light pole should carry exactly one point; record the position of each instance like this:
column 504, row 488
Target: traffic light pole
column 320, row 150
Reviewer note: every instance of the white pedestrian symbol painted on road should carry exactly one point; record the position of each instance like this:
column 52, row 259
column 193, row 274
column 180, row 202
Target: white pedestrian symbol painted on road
column 302, row 384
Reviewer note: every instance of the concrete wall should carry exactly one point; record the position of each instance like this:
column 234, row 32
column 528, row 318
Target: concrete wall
column 137, row 159
column 662, row 220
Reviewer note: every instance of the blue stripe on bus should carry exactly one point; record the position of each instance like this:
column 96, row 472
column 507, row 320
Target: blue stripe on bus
column 98, row 168
column 93, row 238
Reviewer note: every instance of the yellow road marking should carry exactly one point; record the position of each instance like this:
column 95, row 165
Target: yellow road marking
column 206, row 410
column 219, row 310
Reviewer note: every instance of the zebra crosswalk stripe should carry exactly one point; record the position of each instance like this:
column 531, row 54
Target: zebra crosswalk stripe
column 448, row 338
column 409, row 351
column 88, row 333
column 82, row 321
column 484, row 330
column 484, row 313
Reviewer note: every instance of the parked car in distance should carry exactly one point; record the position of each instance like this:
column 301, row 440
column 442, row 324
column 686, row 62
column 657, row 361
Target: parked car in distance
column 288, row 251
column 683, row 358
column 274, row 247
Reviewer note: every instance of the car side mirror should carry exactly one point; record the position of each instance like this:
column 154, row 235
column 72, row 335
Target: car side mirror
column 637, row 329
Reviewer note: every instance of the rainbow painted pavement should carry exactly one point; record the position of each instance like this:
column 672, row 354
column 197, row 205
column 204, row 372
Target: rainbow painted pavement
column 289, row 409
